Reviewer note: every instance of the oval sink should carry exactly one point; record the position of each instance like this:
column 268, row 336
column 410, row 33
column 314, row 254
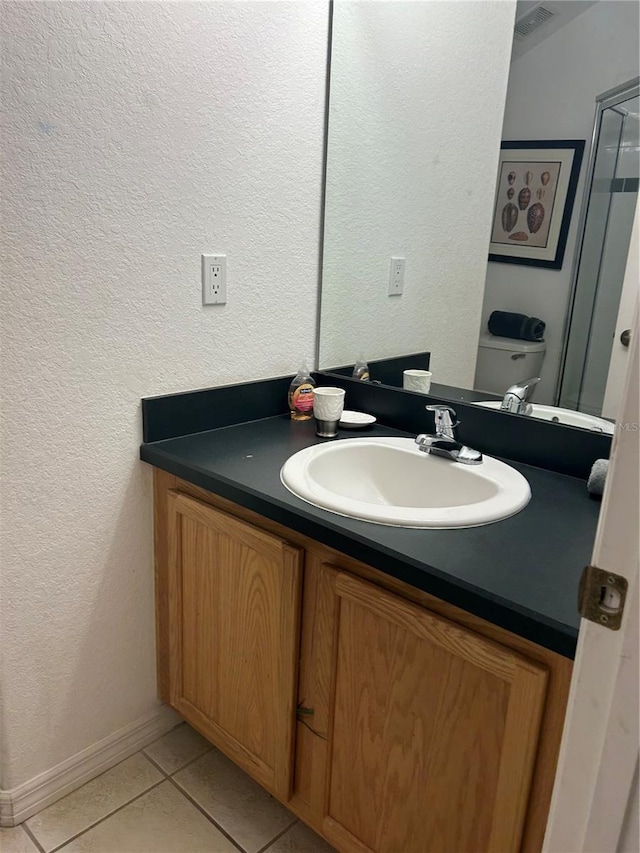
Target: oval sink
column 391, row 481
column 562, row 416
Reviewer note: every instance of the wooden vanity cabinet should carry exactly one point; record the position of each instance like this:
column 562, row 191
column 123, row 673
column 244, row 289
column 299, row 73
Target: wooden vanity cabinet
column 418, row 728
column 233, row 616
column 431, row 730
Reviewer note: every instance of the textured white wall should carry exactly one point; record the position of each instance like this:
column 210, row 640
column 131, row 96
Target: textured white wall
column 417, row 96
column 136, row 136
column 551, row 95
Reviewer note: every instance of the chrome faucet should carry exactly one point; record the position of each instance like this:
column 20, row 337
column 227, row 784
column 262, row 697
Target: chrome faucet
column 444, row 442
column 515, row 399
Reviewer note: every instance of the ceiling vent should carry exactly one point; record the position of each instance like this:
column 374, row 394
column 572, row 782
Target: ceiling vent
column 529, row 23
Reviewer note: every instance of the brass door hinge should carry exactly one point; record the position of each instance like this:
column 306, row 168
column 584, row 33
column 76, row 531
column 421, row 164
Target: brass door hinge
column 601, row 597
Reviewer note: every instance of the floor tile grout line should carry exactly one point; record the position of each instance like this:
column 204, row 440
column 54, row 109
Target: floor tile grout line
column 212, row 820
column 167, row 777
column 279, row 835
column 30, row 834
column 106, row 817
column 155, row 764
column 182, row 790
column 190, row 762
column 170, row 777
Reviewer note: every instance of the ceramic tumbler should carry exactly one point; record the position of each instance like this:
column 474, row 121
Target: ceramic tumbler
column 328, row 404
column 417, row 380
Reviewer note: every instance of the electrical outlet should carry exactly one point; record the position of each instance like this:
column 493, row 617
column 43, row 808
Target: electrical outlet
column 214, row 279
column 396, row 276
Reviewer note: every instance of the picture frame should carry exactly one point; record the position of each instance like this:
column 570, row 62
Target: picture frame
column 535, row 195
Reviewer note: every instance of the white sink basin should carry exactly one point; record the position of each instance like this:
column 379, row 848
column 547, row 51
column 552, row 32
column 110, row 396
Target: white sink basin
column 561, row 416
column 391, row 481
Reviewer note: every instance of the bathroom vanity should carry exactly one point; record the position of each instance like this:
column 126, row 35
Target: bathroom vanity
column 399, row 690
column 385, row 718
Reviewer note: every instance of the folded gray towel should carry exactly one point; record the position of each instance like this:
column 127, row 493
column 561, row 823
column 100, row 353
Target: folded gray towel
column 507, row 324
column 595, row 483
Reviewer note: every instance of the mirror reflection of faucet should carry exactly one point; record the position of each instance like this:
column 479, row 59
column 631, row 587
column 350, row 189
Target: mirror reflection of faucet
column 515, row 398
column 444, row 442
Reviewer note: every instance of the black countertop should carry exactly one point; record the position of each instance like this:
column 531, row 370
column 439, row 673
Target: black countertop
column 521, row 573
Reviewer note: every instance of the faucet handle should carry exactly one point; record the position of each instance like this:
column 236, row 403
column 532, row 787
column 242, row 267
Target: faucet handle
column 515, row 398
column 445, row 418
column 441, row 407
column 528, row 384
column 441, row 410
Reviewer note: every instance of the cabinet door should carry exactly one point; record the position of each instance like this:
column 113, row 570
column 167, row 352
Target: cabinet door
column 234, row 599
column 433, row 731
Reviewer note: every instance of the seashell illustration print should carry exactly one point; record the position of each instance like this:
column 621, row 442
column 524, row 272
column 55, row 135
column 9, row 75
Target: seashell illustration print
column 535, row 217
column 528, row 178
column 510, row 193
column 545, row 177
column 540, row 193
column 524, row 197
column 509, row 217
column 520, row 236
column 511, row 177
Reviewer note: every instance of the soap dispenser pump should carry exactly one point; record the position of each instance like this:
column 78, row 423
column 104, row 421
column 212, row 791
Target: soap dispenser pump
column 300, row 395
column 361, row 369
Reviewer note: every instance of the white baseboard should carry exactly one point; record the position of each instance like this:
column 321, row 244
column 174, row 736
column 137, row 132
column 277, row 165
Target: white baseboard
column 21, row 803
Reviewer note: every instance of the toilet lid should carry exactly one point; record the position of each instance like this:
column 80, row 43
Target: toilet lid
column 511, row 344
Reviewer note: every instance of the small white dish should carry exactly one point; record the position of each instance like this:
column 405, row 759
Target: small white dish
column 355, row 420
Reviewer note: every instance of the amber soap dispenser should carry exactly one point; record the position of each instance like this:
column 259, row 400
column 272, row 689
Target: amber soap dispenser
column 301, row 395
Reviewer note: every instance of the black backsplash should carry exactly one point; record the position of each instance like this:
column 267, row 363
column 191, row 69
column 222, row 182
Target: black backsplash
column 173, row 415
column 553, row 446
column 556, row 447
column 389, row 370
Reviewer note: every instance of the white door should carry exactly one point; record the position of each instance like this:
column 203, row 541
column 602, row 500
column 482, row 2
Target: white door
column 628, row 303
column 593, row 806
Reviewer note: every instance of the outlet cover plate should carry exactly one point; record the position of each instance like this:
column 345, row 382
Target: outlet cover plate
column 396, row 276
column 214, row 279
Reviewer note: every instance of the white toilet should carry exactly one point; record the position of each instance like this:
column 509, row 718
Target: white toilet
column 503, row 362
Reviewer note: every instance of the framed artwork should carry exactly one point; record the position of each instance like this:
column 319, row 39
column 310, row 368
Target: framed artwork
column 536, row 189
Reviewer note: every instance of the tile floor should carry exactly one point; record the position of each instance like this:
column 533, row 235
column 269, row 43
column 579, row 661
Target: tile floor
column 178, row 795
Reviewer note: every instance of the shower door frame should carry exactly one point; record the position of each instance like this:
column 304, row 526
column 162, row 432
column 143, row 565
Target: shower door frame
column 610, row 98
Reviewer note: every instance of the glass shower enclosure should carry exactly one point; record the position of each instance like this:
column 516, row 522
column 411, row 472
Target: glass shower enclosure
column 607, row 221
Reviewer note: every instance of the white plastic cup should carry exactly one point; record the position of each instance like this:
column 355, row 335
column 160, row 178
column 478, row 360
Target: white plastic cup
column 328, row 404
column 417, row 380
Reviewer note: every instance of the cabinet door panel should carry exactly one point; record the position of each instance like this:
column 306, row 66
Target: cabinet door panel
column 424, row 747
column 234, row 636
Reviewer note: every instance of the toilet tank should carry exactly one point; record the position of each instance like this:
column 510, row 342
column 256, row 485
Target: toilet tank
column 503, row 362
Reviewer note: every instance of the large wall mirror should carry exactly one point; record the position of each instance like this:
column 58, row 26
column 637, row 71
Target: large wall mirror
column 422, row 94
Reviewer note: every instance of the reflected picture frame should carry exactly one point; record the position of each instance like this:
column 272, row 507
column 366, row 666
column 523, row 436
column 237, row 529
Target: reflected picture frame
column 535, row 195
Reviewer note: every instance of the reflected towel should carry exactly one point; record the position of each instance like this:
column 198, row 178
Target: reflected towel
column 506, row 324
